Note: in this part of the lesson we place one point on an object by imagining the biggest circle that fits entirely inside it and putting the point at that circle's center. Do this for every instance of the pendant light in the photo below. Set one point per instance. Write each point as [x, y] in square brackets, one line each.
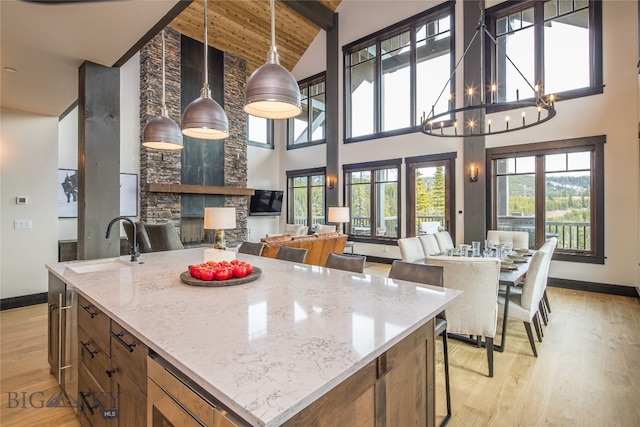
[162, 132]
[204, 118]
[272, 92]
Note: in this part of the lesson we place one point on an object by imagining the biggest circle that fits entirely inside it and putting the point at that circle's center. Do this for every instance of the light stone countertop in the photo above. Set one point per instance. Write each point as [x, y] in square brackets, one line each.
[266, 349]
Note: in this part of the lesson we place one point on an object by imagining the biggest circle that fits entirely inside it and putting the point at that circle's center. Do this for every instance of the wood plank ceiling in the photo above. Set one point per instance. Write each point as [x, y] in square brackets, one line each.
[243, 28]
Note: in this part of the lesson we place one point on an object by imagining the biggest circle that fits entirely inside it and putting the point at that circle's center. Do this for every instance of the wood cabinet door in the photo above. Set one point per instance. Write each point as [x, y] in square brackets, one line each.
[132, 402]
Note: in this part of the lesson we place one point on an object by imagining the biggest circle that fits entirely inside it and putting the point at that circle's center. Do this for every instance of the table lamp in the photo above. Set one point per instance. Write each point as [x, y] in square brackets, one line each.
[219, 219]
[339, 215]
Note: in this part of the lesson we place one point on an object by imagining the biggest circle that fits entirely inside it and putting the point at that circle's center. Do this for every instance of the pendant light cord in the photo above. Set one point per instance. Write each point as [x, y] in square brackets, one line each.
[205, 89]
[163, 109]
[273, 25]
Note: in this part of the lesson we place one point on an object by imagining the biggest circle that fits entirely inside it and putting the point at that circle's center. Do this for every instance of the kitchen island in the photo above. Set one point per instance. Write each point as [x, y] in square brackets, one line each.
[299, 345]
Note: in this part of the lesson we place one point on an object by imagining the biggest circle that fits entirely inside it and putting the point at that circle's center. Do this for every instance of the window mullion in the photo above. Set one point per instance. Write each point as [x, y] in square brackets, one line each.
[377, 90]
[540, 199]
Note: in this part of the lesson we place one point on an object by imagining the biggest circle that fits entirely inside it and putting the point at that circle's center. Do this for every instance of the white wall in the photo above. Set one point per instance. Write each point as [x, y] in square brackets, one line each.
[614, 114]
[28, 168]
[263, 167]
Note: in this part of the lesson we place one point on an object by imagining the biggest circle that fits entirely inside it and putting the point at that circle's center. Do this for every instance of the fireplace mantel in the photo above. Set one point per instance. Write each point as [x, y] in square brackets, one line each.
[153, 187]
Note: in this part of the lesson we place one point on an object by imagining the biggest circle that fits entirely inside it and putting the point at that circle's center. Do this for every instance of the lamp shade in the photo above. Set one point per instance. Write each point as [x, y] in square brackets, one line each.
[219, 218]
[162, 133]
[204, 118]
[273, 93]
[339, 214]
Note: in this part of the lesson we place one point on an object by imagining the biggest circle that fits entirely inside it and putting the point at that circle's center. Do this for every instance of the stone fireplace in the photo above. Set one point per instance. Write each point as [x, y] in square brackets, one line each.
[176, 186]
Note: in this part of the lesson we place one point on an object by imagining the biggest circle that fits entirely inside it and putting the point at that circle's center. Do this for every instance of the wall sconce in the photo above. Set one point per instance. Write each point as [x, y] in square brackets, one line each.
[473, 172]
[331, 182]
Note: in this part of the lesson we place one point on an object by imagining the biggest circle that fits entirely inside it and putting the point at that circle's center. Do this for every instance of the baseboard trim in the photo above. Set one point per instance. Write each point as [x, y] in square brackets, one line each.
[22, 301]
[603, 288]
[380, 259]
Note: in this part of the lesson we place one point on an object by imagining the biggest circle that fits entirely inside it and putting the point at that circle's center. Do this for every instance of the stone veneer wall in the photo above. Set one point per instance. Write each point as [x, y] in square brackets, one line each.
[160, 165]
[235, 147]
[165, 166]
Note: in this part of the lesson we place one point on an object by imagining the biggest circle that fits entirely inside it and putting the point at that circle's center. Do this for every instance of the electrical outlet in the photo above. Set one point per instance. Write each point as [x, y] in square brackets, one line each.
[22, 224]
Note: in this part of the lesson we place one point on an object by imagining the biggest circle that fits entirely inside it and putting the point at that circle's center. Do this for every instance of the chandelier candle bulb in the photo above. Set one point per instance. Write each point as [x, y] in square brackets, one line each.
[489, 123]
[506, 119]
[470, 96]
[523, 114]
[539, 110]
[493, 93]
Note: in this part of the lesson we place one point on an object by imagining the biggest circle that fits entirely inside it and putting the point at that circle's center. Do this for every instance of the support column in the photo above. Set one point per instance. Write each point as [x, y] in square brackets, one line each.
[332, 96]
[98, 160]
[475, 193]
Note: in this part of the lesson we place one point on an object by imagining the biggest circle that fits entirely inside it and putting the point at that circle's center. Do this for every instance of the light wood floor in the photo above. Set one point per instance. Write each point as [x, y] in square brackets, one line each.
[587, 372]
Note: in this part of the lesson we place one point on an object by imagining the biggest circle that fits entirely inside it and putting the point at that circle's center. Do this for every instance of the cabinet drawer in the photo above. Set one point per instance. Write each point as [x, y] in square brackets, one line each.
[95, 323]
[128, 356]
[92, 400]
[94, 358]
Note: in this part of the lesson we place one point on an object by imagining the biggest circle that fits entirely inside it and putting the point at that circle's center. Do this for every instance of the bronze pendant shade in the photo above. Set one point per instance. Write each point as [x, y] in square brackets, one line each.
[272, 92]
[204, 118]
[161, 132]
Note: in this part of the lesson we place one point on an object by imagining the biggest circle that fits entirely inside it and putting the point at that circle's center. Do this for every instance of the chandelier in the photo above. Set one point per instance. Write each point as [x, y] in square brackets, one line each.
[482, 110]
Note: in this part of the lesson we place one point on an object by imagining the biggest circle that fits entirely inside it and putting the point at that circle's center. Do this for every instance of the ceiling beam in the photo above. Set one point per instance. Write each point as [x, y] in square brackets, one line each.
[314, 11]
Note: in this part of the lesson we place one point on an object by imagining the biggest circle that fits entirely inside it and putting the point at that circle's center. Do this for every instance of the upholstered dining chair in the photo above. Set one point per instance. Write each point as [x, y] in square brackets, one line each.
[142, 239]
[430, 245]
[552, 243]
[475, 312]
[444, 240]
[353, 263]
[519, 239]
[411, 249]
[523, 305]
[428, 275]
[251, 248]
[163, 237]
[287, 253]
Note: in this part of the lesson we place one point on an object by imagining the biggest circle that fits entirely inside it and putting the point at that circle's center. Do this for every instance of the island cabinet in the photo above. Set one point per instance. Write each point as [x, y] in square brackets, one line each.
[396, 389]
[111, 371]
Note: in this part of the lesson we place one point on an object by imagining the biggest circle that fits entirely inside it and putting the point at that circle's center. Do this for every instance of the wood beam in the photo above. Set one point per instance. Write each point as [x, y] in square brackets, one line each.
[314, 11]
[154, 187]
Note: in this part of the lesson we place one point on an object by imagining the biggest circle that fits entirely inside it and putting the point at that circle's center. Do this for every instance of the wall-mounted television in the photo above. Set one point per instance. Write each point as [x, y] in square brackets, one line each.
[266, 202]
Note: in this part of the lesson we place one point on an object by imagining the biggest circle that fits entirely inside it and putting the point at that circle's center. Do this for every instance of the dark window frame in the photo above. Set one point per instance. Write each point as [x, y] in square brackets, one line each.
[502, 10]
[539, 150]
[409, 24]
[347, 169]
[270, 136]
[307, 83]
[412, 163]
[308, 173]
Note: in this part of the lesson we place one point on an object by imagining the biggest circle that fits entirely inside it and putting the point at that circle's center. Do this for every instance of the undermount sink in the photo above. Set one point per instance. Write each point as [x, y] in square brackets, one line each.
[99, 265]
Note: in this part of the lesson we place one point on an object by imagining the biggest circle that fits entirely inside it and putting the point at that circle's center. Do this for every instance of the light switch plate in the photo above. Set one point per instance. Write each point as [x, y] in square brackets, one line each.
[22, 224]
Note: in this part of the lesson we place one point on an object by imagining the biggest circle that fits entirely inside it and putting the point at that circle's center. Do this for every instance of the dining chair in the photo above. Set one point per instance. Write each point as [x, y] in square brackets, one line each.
[251, 248]
[163, 237]
[142, 238]
[552, 243]
[444, 240]
[287, 253]
[428, 275]
[475, 312]
[411, 249]
[519, 239]
[353, 263]
[523, 305]
[430, 244]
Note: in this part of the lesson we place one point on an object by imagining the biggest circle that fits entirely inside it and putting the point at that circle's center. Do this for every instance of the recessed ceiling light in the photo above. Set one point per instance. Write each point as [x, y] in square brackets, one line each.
[10, 70]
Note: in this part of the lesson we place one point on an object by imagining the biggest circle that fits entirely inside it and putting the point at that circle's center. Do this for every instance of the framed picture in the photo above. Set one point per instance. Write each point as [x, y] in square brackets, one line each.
[128, 194]
[67, 193]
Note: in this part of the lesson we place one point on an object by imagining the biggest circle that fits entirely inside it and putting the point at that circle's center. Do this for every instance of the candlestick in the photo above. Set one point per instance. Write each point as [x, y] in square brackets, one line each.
[470, 96]
[539, 110]
[523, 114]
[493, 93]
[455, 126]
[506, 119]
[489, 123]
[517, 94]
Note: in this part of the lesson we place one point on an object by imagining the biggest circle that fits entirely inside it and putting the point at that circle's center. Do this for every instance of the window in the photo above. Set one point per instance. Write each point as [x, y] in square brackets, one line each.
[371, 190]
[309, 127]
[259, 131]
[552, 189]
[431, 196]
[555, 44]
[306, 197]
[393, 76]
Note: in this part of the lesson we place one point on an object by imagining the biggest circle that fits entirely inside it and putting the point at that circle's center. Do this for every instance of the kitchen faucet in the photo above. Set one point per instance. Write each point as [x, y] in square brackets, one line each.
[133, 251]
